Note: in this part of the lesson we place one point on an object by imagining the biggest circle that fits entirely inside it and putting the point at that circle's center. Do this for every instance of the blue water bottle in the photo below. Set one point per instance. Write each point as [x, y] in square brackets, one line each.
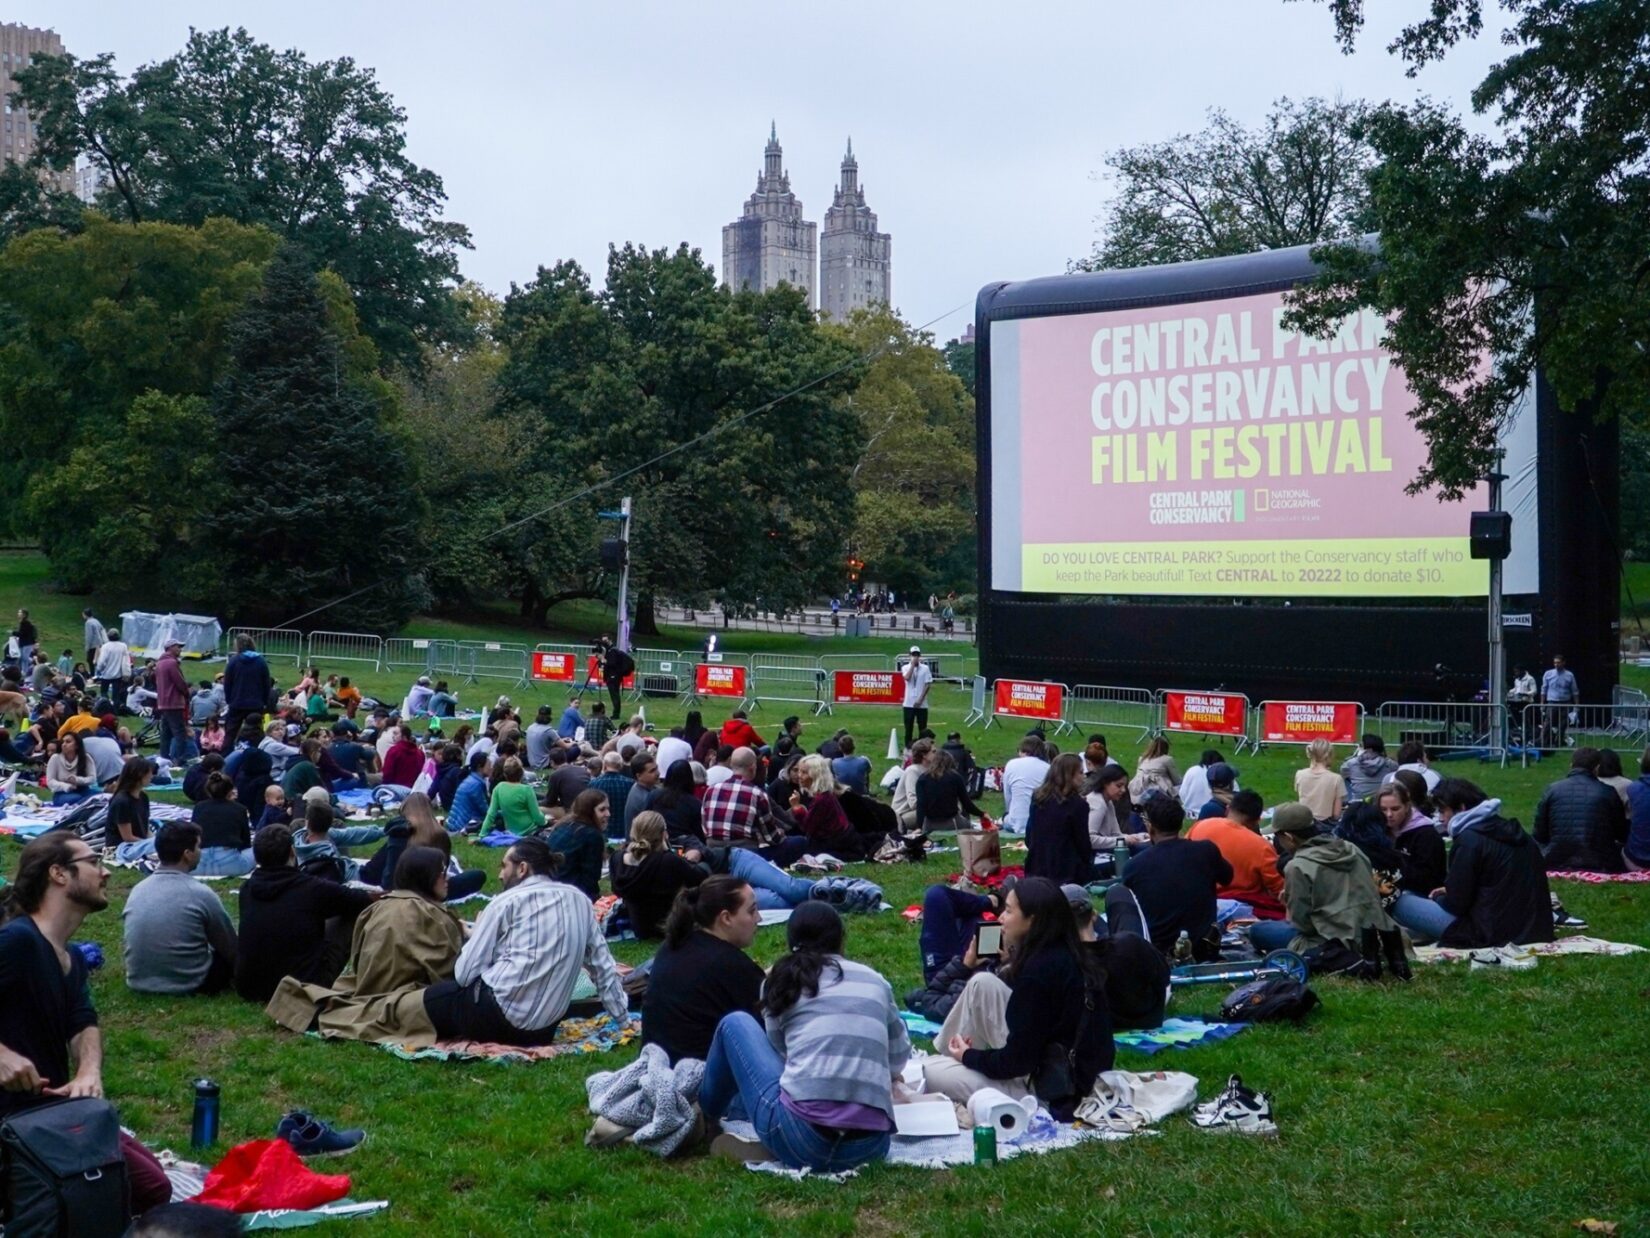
[203, 1131]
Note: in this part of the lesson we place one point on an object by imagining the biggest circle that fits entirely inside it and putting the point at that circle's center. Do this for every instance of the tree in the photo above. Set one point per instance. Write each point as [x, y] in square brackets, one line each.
[91, 322]
[319, 510]
[914, 481]
[660, 357]
[1297, 180]
[231, 128]
[1527, 247]
[959, 359]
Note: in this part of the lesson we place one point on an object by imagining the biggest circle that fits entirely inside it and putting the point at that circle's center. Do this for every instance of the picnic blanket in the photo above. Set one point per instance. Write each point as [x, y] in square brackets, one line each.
[1177, 1034]
[594, 1035]
[1597, 878]
[188, 1177]
[1564, 945]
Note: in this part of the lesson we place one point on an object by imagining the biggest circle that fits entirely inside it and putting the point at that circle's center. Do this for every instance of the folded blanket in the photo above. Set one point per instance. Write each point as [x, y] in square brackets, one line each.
[595, 1035]
[651, 1097]
[1564, 945]
[1177, 1034]
[1597, 878]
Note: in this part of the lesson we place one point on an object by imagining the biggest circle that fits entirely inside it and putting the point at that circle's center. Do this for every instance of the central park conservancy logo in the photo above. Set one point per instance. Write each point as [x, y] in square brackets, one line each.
[1197, 507]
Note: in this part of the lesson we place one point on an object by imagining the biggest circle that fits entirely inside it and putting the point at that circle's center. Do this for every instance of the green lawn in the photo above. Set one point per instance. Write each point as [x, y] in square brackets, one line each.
[1460, 1104]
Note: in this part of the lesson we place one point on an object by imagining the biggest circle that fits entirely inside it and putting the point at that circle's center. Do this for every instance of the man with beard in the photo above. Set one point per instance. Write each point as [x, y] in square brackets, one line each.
[46, 1012]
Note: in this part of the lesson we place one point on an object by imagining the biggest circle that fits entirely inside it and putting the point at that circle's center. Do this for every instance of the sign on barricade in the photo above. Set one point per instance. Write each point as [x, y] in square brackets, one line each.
[867, 688]
[593, 674]
[1301, 722]
[1206, 713]
[724, 679]
[1027, 698]
[553, 667]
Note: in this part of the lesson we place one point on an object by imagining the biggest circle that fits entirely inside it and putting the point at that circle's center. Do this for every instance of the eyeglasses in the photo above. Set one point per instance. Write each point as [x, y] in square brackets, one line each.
[95, 861]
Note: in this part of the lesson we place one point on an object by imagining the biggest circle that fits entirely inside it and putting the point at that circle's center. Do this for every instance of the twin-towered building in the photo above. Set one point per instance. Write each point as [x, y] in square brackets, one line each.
[771, 243]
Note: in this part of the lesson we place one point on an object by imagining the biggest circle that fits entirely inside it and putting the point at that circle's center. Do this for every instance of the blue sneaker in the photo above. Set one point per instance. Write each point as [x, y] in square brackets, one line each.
[309, 1136]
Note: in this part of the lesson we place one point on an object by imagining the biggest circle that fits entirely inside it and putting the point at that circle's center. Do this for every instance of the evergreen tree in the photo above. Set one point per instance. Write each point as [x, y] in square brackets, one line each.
[320, 506]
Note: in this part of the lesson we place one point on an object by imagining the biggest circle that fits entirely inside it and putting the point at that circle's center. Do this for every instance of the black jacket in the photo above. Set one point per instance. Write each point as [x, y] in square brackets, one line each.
[1581, 824]
[1057, 841]
[1497, 887]
[1424, 860]
[283, 930]
[1175, 881]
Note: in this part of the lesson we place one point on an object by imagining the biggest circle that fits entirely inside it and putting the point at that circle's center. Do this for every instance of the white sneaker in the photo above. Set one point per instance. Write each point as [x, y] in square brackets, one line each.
[1238, 1110]
[1503, 958]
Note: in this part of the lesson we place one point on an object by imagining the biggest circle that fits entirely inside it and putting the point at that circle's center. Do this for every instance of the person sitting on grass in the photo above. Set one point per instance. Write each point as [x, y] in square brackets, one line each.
[1051, 992]
[1636, 854]
[1496, 891]
[815, 1076]
[581, 840]
[1256, 887]
[1174, 881]
[47, 1020]
[943, 802]
[322, 849]
[405, 942]
[645, 770]
[178, 939]
[1110, 822]
[470, 801]
[514, 806]
[825, 827]
[404, 759]
[1581, 822]
[305, 772]
[674, 800]
[70, 774]
[514, 978]
[1329, 891]
[1057, 832]
[276, 809]
[1367, 770]
[702, 973]
[292, 923]
[852, 769]
[224, 828]
[1422, 858]
[1137, 974]
[128, 822]
[417, 827]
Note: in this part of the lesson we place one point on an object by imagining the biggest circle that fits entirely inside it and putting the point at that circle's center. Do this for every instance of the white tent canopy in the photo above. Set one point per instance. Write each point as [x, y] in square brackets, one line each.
[147, 634]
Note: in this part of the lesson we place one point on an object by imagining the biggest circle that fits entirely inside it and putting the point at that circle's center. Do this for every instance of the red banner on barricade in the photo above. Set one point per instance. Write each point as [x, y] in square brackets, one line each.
[710, 679]
[868, 688]
[593, 673]
[1301, 722]
[1206, 713]
[1020, 698]
[553, 667]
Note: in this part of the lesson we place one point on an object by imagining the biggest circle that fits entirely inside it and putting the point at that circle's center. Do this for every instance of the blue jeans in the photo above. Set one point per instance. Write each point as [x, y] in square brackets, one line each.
[128, 852]
[948, 920]
[776, 890]
[1425, 919]
[172, 728]
[59, 798]
[224, 862]
[744, 1065]
[1269, 935]
[1231, 909]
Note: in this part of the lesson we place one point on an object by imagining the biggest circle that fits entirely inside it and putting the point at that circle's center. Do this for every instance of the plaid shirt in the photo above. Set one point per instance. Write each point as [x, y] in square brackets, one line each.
[597, 728]
[737, 811]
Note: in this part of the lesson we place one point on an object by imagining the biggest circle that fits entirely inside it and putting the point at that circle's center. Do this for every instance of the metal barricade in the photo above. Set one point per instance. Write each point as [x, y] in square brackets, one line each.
[856, 662]
[276, 644]
[576, 655]
[345, 647]
[1104, 705]
[1300, 722]
[976, 701]
[426, 654]
[1453, 727]
[788, 677]
[1204, 712]
[492, 660]
[1561, 728]
[690, 688]
[662, 674]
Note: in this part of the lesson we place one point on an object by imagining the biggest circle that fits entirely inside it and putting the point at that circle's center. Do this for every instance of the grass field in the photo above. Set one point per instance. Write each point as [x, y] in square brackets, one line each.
[1459, 1104]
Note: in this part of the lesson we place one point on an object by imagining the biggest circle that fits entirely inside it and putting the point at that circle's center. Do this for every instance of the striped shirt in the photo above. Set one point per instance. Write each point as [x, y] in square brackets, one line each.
[529, 945]
[844, 1044]
[736, 811]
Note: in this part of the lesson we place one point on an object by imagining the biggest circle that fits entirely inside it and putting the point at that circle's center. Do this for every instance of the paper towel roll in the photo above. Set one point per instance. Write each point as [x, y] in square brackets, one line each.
[1010, 1117]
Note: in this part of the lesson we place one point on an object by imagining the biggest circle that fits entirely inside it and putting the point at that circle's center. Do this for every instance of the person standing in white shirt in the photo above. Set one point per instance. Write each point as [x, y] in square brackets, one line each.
[515, 976]
[919, 678]
[1021, 776]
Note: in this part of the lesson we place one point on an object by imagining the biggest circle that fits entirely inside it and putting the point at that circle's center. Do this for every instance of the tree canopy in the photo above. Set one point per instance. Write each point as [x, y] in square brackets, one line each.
[1525, 247]
[231, 128]
[1297, 179]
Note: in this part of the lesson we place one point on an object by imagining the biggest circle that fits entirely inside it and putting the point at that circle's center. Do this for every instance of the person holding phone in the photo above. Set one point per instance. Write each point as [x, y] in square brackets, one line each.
[1041, 1025]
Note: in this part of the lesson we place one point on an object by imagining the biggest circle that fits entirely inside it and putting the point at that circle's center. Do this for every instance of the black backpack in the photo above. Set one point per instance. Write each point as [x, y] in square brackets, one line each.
[61, 1171]
[1269, 1000]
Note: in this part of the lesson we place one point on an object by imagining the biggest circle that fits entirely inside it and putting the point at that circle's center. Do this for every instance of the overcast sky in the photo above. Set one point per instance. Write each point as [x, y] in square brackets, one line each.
[561, 127]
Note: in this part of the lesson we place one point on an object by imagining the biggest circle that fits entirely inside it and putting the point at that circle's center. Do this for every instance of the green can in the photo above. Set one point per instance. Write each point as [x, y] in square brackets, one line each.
[985, 1145]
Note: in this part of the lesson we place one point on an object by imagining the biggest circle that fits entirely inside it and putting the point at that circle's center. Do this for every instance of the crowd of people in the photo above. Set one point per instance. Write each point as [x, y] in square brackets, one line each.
[698, 831]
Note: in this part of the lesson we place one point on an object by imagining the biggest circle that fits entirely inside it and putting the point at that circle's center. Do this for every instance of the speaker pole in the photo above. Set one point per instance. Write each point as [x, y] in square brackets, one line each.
[1498, 651]
[622, 631]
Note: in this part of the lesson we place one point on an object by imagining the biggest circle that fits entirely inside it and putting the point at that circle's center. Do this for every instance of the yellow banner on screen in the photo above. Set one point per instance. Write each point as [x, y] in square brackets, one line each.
[1346, 567]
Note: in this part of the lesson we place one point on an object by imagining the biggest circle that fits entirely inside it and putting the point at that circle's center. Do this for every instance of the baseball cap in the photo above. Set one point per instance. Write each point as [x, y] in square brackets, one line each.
[1293, 819]
[174, 643]
[1222, 774]
[916, 648]
[1078, 897]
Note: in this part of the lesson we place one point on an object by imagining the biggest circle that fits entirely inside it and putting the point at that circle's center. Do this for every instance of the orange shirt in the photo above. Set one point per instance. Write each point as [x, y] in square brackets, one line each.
[1255, 876]
[76, 724]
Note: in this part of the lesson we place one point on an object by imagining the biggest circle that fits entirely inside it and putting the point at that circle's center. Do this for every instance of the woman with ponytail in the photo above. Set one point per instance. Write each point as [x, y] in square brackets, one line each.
[702, 972]
[647, 875]
[815, 1076]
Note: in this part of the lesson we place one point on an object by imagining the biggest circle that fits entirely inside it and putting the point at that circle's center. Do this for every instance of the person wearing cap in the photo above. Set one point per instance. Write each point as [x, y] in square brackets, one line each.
[1194, 786]
[1223, 784]
[171, 701]
[919, 678]
[1137, 974]
[1328, 890]
[418, 698]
